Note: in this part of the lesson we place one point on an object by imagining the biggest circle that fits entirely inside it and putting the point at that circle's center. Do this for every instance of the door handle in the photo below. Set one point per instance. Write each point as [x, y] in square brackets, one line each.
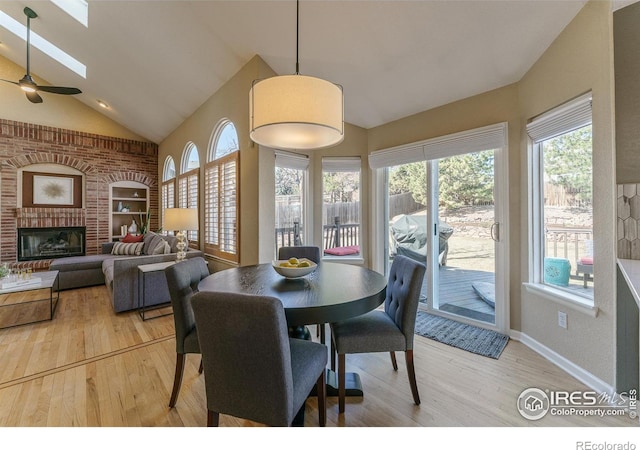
[495, 231]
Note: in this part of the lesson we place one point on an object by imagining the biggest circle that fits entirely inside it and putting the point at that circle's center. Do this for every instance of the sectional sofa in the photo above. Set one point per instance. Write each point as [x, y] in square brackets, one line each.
[119, 272]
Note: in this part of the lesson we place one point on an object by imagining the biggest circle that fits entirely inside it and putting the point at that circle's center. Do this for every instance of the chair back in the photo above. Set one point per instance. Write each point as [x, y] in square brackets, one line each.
[183, 279]
[403, 294]
[246, 356]
[310, 252]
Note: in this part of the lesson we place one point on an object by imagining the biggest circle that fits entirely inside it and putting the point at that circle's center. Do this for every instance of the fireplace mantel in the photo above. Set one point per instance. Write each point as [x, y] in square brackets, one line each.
[50, 217]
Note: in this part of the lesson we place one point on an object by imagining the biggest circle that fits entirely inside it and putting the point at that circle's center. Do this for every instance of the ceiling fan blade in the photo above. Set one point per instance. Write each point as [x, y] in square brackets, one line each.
[9, 81]
[33, 97]
[59, 90]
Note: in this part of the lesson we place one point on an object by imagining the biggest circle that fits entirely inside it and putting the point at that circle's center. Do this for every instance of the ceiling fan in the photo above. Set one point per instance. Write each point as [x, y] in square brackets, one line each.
[26, 83]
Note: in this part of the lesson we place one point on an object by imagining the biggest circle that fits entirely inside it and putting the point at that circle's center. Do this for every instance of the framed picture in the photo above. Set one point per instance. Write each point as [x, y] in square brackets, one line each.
[51, 189]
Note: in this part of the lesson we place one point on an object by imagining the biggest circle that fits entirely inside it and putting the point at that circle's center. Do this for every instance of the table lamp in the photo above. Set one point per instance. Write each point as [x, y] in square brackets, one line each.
[181, 220]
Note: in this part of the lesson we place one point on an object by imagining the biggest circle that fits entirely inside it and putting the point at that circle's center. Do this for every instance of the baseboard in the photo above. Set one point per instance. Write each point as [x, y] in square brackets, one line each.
[571, 368]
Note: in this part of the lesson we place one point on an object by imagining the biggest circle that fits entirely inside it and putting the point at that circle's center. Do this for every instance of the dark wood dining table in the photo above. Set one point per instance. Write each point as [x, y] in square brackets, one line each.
[331, 293]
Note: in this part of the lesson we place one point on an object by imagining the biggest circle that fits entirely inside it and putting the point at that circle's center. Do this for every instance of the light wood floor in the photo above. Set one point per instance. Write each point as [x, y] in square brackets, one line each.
[91, 367]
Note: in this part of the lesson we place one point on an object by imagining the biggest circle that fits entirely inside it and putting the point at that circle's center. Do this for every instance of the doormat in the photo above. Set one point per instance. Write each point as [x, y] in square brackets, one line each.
[466, 337]
[469, 313]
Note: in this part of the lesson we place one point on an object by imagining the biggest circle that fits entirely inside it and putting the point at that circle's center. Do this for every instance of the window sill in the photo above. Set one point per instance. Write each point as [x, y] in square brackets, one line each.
[574, 302]
[344, 259]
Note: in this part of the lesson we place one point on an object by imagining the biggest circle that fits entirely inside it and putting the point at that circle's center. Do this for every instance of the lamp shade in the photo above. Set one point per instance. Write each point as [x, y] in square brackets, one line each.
[180, 219]
[296, 112]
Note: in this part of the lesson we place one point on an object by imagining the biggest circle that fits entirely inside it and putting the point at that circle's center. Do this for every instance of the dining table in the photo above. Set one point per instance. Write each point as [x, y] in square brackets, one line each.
[331, 293]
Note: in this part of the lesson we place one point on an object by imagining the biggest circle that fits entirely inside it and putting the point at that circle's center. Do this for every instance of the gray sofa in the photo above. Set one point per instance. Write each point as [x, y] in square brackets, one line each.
[120, 273]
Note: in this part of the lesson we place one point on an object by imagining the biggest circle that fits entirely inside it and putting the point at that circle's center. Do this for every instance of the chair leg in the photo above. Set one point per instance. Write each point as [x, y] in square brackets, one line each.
[394, 363]
[341, 382]
[201, 368]
[412, 376]
[333, 356]
[321, 390]
[177, 379]
[213, 418]
[322, 335]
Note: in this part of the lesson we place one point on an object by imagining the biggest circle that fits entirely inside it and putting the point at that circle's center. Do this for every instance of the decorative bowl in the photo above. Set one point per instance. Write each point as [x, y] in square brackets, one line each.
[293, 271]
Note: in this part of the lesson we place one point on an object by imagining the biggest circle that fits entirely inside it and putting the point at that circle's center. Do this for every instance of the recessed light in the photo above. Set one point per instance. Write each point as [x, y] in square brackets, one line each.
[103, 104]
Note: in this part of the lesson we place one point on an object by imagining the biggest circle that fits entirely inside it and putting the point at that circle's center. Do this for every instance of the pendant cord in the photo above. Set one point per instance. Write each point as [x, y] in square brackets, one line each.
[297, 34]
[28, 42]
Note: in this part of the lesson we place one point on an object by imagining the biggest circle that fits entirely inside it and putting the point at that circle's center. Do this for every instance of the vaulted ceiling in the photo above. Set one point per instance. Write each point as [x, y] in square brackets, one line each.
[156, 62]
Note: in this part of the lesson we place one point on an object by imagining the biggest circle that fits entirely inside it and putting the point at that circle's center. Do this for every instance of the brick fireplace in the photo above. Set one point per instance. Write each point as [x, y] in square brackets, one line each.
[101, 160]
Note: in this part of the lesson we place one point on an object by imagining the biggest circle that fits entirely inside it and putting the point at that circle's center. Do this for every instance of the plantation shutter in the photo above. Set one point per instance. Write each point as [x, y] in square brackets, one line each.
[222, 207]
[168, 196]
[188, 198]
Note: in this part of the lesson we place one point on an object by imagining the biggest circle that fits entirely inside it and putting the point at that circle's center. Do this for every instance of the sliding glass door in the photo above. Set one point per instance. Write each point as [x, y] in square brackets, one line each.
[445, 205]
[464, 251]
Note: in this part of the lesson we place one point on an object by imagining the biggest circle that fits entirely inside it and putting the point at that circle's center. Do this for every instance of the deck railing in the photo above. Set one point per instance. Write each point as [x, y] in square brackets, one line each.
[341, 235]
[288, 236]
[561, 239]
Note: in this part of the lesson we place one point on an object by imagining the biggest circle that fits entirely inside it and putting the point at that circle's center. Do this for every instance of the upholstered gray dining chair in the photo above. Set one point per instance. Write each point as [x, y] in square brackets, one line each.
[387, 330]
[311, 253]
[253, 369]
[183, 279]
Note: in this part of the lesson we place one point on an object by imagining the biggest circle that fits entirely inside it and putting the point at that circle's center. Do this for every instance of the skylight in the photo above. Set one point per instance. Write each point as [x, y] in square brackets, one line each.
[78, 9]
[42, 44]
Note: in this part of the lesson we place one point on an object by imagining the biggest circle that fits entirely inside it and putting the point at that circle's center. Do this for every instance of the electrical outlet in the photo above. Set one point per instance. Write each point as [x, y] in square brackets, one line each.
[562, 319]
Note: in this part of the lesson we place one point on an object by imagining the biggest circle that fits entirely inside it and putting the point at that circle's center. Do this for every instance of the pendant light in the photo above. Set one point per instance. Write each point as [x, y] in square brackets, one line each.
[296, 111]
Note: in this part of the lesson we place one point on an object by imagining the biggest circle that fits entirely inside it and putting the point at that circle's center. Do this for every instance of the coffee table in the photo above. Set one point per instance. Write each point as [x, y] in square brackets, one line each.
[30, 301]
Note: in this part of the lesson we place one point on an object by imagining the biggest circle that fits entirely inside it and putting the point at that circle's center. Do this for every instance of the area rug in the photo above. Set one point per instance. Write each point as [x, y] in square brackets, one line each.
[466, 337]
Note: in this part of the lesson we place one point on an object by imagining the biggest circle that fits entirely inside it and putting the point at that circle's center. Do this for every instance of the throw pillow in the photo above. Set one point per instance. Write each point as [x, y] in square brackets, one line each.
[148, 237]
[162, 249]
[130, 249]
[131, 238]
[343, 251]
[173, 243]
[151, 243]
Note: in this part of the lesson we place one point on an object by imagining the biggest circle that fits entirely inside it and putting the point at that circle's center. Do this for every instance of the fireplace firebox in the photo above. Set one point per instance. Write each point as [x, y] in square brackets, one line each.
[50, 243]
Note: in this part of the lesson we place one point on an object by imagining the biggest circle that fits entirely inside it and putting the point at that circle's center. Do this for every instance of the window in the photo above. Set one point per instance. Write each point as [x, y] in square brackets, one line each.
[221, 184]
[168, 188]
[188, 185]
[341, 207]
[562, 199]
[291, 188]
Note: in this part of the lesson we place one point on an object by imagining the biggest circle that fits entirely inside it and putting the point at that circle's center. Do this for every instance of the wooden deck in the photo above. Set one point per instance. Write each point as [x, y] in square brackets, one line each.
[457, 295]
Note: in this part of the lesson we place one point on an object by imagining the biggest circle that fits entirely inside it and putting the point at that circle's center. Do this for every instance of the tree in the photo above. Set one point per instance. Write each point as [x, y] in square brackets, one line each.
[341, 186]
[288, 181]
[466, 179]
[567, 162]
[411, 178]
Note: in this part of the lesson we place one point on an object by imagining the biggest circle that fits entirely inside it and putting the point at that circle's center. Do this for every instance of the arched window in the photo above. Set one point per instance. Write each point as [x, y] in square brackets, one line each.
[221, 183]
[168, 187]
[188, 185]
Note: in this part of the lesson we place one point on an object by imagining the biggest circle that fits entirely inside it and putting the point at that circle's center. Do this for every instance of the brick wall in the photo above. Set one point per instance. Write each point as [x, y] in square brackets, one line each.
[102, 160]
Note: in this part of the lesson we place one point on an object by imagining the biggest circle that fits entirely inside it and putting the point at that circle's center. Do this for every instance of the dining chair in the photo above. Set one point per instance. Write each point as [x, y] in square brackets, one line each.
[253, 369]
[311, 253]
[183, 279]
[387, 330]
